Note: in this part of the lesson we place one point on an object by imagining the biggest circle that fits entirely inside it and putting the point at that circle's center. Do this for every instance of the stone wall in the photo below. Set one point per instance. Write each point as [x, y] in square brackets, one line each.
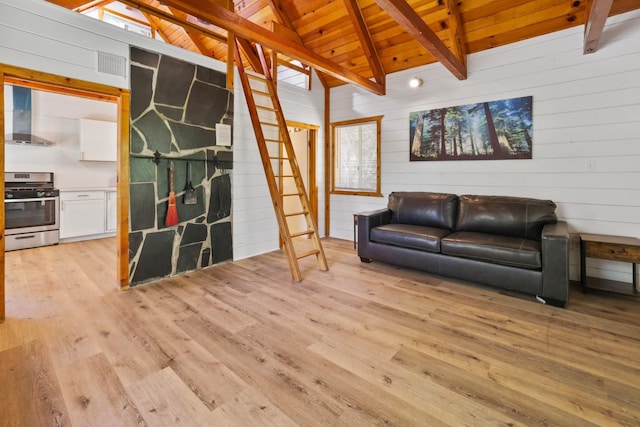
[175, 107]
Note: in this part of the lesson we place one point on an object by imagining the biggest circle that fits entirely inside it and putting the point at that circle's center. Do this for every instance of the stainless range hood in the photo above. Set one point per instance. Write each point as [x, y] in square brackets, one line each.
[22, 120]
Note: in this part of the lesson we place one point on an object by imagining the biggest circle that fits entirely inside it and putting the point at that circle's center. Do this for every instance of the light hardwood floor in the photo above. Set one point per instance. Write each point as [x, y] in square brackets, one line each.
[239, 344]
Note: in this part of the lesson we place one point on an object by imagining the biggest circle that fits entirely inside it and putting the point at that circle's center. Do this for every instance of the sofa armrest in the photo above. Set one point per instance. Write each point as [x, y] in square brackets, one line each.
[555, 263]
[366, 221]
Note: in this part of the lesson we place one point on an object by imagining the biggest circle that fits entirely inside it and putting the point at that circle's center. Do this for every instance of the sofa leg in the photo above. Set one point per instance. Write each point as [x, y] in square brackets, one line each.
[367, 260]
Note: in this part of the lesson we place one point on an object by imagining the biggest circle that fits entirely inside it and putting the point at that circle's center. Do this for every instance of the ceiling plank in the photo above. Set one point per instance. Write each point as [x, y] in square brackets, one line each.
[219, 16]
[366, 42]
[195, 37]
[413, 24]
[594, 24]
[145, 8]
[282, 18]
[457, 32]
[280, 14]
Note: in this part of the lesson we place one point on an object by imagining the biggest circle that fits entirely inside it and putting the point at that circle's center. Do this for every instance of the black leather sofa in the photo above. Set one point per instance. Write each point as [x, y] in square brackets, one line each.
[512, 243]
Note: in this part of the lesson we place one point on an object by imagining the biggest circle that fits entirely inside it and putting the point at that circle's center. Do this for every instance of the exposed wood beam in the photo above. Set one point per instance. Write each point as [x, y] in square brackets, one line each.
[91, 5]
[288, 64]
[230, 52]
[154, 25]
[145, 8]
[366, 42]
[193, 35]
[283, 19]
[413, 24]
[250, 53]
[281, 15]
[594, 24]
[219, 16]
[457, 33]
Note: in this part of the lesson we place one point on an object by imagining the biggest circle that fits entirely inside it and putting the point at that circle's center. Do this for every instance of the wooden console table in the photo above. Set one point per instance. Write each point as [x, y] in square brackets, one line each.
[614, 248]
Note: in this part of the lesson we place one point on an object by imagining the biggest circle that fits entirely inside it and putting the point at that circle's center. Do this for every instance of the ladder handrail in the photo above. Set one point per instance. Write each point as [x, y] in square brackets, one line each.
[274, 190]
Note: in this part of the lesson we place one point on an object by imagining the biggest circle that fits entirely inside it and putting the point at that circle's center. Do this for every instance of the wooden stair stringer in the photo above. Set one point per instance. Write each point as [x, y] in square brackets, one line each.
[274, 180]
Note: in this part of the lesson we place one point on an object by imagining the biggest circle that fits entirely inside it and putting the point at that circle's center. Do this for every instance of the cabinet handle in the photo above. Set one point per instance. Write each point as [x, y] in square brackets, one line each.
[83, 195]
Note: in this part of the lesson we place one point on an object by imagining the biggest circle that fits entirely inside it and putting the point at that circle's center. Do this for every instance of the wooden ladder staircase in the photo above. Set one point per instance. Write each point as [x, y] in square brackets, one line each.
[279, 161]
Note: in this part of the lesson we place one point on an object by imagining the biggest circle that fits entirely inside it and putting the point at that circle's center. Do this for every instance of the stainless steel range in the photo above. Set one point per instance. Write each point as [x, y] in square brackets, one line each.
[32, 210]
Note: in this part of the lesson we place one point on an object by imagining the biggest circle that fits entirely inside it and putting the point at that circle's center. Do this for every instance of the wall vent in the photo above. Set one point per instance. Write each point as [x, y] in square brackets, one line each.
[109, 63]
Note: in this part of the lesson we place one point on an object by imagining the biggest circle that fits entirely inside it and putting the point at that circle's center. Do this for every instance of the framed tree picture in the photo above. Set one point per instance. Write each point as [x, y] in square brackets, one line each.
[491, 130]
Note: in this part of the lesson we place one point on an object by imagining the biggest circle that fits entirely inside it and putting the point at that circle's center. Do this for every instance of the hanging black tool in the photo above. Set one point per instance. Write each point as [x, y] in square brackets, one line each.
[190, 195]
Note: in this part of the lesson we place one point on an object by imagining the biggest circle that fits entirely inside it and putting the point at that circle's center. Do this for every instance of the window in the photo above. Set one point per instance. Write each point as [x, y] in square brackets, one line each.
[356, 157]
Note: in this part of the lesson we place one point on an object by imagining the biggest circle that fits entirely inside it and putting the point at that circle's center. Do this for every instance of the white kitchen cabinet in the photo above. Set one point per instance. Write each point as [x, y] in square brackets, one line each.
[98, 140]
[82, 213]
[112, 206]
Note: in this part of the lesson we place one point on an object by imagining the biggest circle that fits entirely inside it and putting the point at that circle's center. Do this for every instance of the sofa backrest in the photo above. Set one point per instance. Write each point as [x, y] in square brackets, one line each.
[509, 216]
[423, 208]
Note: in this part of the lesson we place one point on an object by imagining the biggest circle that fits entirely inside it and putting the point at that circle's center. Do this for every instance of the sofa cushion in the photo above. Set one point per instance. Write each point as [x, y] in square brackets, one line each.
[409, 236]
[494, 248]
[509, 216]
[423, 208]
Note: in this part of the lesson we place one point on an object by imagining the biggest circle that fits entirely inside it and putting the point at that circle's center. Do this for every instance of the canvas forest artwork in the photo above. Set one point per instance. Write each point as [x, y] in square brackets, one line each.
[484, 131]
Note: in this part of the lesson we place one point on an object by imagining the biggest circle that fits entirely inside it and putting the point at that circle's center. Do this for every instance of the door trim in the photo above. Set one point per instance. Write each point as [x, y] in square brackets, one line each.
[312, 191]
[54, 83]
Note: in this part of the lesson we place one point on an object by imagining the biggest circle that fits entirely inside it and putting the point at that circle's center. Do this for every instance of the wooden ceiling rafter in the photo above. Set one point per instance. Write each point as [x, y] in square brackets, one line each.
[243, 28]
[597, 15]
[321, 33]
[282, 18]
[193, 35]
[366, 41]
[456, 30]
[159, 30]
[413, 24]
[88, 7]
[166, 16]
[154, 27]
[250, 53]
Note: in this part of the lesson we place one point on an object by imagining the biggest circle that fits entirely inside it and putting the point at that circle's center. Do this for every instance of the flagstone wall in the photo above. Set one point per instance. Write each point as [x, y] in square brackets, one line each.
[175, 108]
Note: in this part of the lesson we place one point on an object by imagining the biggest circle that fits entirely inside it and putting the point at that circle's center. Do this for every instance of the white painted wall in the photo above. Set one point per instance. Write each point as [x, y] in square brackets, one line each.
[38, 35]
[586, 131]
[57, 117]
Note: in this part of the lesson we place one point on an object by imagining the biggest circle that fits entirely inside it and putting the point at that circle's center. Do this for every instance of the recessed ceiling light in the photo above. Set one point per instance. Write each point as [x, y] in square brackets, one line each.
[415, 82]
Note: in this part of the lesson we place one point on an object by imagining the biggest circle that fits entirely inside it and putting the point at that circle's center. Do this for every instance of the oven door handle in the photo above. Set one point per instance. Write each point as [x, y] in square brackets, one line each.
[38, 199]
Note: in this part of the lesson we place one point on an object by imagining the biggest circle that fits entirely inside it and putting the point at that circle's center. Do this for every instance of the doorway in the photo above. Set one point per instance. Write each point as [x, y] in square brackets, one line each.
[303, 138]
[49, 82]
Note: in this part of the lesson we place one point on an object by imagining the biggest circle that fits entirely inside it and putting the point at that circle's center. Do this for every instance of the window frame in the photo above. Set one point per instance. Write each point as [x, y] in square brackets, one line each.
[334, 158]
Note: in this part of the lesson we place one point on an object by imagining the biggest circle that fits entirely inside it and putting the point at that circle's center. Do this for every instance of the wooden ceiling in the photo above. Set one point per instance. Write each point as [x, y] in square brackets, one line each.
[360, 41]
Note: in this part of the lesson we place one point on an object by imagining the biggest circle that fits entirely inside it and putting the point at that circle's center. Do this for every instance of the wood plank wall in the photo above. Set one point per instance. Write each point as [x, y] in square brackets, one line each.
[586, 137]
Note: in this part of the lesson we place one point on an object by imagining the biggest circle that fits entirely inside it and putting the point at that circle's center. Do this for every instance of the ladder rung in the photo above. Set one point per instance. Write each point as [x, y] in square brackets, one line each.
[256, 77]
[273, 140]
[260, 92]
[264, 107]
[290, 194]
[279, 158]
[308, 253]
[295, 213]
[302, 233]
[270, 124]
[283, 176]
